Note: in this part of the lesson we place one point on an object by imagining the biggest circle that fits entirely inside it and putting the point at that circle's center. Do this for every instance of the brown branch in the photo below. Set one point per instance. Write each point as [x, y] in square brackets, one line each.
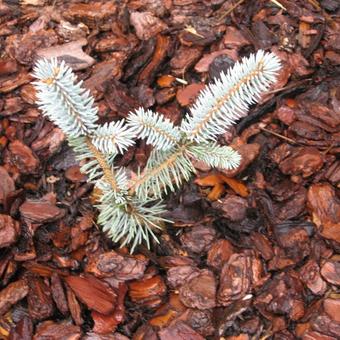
[108, 174]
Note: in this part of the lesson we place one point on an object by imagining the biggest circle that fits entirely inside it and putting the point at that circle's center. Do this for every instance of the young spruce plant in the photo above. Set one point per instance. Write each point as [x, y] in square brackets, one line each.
[130, 207]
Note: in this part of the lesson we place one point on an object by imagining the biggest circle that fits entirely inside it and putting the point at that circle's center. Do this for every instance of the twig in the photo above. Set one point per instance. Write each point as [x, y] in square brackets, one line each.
[279, 135]
[279, 5]
[231, 9]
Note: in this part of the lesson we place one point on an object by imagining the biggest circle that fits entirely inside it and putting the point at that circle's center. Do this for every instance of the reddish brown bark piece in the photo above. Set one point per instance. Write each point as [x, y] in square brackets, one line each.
[233, 207]
[207, 59]
[198, 239]
[23, 47]
[13, 293]
[219, 253]
[179, 331]
[93, 293]
[58, 294]
[313, 335]
[56, 331]
[121, 267]
[28, 94]
[325, 208]
[282, 296]
[147, 291]
[262, 245]
[40, 211]
[177, 276]
[189, 94]
[332, 308]
[23, 158]
[162, 45]
[6, 184]
[146, 25]
[40, 304]
[12, 105]
[73, 174]
[184, 58]
[303, 161]
[310, 276]
[9, 84]
[234, 280]
[331, 272]
[49, 144]
[325, 325]
[8, 66]
[91, 14]
[200, 291]
[9, 231]
[234, 38]
[200, 320]
[74, 307]
[23, 330]
[104, 324]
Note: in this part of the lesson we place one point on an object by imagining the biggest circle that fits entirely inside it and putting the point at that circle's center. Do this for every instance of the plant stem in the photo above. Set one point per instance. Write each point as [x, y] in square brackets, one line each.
[107, 170]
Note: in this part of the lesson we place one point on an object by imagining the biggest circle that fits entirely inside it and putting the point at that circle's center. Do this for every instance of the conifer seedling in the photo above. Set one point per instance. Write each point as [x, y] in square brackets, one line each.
[131, 209]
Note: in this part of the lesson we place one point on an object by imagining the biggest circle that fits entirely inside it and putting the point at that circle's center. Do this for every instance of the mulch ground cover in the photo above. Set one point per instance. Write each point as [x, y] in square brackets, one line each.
[254, 253]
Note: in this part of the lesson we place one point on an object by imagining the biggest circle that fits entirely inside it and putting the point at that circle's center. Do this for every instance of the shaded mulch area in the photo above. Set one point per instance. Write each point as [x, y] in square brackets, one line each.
[253, 253]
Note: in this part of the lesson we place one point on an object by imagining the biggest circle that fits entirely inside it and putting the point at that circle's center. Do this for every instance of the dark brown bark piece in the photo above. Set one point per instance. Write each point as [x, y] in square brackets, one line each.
[162, 46]
[326, 325]
[282, 296]
[12, 105]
